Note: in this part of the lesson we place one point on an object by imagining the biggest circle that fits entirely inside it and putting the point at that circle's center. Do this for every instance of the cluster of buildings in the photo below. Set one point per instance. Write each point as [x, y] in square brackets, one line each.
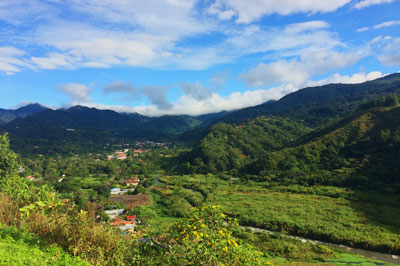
[118, 191]
[149, 143]
[128, 224]
[130, 182]
[119, 155]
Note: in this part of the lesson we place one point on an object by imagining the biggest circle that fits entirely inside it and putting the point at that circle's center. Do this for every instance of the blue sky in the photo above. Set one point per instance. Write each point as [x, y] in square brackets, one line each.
[159, 57]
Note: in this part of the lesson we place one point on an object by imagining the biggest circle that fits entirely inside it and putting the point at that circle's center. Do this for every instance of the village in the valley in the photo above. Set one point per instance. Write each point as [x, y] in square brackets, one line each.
[122, 189]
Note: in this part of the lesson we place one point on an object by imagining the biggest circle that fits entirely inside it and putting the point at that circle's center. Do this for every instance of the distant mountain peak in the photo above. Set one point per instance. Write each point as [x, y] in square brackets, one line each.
[78, 107]
[32, 105]
[31, 108]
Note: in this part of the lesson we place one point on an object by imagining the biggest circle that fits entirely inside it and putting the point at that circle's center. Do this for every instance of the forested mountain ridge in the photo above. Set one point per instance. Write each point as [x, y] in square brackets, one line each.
[357, 150]
[229, 146]
[25, 111]
[316, 105]
[81, 126]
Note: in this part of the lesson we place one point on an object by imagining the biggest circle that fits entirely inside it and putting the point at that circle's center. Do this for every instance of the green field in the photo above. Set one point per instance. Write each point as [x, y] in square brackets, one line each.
[337, 215]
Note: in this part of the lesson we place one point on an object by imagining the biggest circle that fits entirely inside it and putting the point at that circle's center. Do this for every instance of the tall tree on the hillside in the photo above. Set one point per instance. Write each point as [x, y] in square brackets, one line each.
[8, 159]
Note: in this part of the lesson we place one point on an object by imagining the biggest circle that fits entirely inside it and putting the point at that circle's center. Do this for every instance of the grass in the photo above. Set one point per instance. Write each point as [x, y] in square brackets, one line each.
[349, 259]
[20, 248]
[318, 217]
[343, 216]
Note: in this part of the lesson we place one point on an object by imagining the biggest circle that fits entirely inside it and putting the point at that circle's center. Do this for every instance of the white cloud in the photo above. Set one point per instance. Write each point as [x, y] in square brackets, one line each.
[11, 61]
[391, 51]
[380, 25]
[387, 24]
[171, 17]
[153, 34]
[214, 103]
[251, 39]
[298, 71]
[248, 11]
[20, 11]
[227, 15]
[282, 71]
[109, 32]
[53, 61]
[347, 79]
[367, 3]
[84, 45]
[78, 93]
[280, 42]
[306, 26]
[362, 29]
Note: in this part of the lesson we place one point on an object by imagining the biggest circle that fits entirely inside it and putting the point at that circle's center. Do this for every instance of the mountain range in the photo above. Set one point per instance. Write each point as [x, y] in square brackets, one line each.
[79, 126]
[25, 111]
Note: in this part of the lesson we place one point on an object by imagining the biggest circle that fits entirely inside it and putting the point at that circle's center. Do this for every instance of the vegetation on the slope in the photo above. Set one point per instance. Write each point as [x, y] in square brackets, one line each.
[40, 210]
[364, 219]
[230, 147]
[18, 248]
[358, 151]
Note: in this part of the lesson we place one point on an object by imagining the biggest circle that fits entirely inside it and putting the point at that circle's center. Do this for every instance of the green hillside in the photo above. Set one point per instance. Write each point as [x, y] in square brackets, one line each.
[357, 150]
[229, 146]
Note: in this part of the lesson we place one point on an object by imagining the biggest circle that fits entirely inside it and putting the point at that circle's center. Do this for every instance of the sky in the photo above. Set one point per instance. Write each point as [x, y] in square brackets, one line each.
[169, 57]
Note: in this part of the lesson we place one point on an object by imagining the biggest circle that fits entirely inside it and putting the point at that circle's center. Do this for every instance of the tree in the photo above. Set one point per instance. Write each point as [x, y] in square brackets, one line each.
[8, 159]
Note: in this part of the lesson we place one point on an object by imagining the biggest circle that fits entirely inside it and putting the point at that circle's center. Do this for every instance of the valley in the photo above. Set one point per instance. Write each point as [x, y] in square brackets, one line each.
[232, 188]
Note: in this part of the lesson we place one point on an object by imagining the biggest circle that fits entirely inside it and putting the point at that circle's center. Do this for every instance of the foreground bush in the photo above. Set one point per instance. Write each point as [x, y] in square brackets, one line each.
[206, 237]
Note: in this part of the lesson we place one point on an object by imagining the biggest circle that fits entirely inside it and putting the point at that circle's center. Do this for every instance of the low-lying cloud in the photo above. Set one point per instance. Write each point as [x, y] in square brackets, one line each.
[78, 93]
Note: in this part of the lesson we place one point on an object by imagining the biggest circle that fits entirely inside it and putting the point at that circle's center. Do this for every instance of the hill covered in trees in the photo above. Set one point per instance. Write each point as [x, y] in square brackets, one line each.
[357, 150]
[82, 129]
[315, 106]
[25, 111]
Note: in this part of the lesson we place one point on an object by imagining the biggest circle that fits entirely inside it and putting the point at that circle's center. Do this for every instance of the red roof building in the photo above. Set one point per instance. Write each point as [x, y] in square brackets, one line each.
[134, 181]
[121, 156]
[122, 222]
[131, 217]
